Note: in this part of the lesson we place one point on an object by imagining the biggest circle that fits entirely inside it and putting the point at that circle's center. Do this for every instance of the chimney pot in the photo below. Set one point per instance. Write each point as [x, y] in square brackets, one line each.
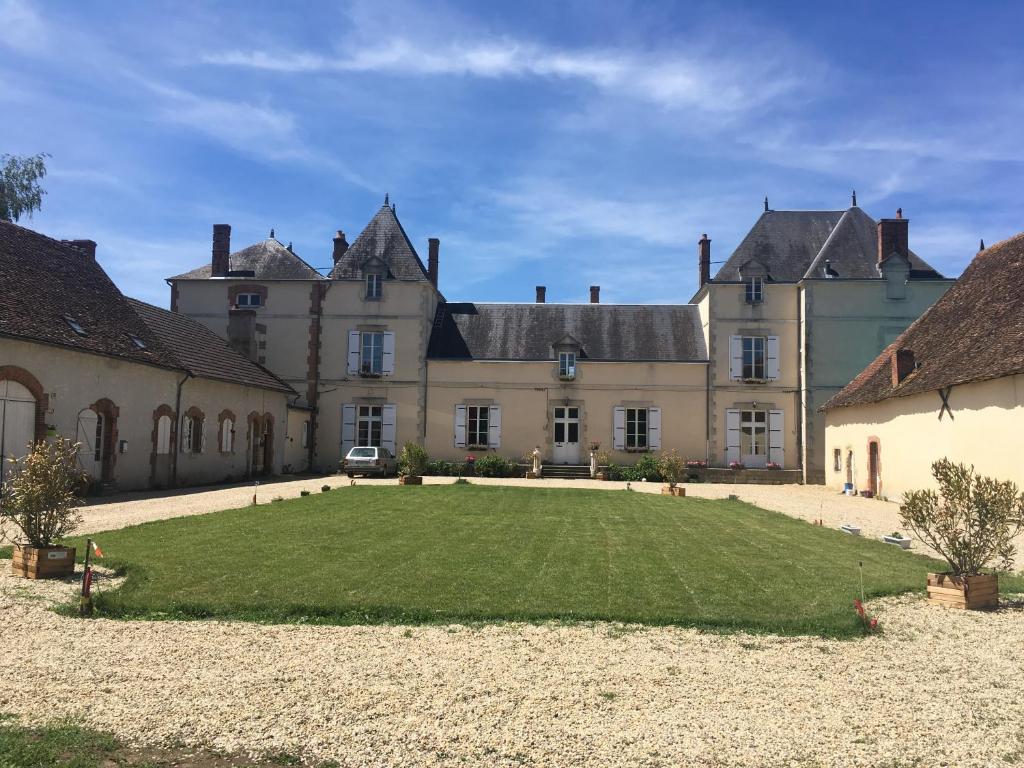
[704, 259]
[595, 294]
[893, 237]
[903, 364]
[433, 259]
[542, 293]
[221, 250]
[340, 246]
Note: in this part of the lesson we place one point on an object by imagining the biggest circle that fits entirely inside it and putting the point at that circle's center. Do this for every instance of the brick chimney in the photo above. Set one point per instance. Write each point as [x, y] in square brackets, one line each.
[542, 294]
[340, 246]
[221, 250]
[903, 364]
[433, 249]
[595, 294]
[88, 247]
[893, 237]
[704, 259]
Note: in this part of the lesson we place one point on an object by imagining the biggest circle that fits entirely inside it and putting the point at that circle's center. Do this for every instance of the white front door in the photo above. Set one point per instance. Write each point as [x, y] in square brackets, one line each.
[754, 438]
[17, 422]
[567, 435]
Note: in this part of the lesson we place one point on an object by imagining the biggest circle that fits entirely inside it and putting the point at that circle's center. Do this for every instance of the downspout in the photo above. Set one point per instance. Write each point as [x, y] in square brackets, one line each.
[177, 415]
[801, 380]
[315, 400]
[707, 413]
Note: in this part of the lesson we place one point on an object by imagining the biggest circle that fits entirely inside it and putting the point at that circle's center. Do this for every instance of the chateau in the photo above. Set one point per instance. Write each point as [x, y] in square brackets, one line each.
[376, 355]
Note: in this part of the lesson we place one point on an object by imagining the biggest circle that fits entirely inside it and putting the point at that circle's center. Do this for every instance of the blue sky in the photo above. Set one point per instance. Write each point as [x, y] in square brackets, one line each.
[560, 144]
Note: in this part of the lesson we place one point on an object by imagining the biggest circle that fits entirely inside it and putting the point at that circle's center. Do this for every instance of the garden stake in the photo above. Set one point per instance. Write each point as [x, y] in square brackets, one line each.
[85, 601]
[862, 581]
[255, 485]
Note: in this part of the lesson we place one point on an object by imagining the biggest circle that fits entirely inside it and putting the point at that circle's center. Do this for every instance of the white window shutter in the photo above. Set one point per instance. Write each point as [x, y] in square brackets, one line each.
[771, 357]
[460, 426]
[735, 357]
[777, 437]
[389, 415]
[619, 428]
[654, 429]
[202, 436]
[185, 434]
[163, 435]
[348, 428]
[732, 435]
[388, 361]
[494, 427]
[354, 339]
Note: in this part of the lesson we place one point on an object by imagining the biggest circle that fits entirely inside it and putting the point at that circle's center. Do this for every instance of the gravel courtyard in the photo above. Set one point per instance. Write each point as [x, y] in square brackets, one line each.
[938, 688]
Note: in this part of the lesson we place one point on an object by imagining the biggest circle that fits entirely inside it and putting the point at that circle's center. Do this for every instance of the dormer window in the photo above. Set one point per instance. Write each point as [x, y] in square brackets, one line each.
[754, 293]
[75, 325]
[248, 300]
[567, 365]
[137, 341]
[374, 285]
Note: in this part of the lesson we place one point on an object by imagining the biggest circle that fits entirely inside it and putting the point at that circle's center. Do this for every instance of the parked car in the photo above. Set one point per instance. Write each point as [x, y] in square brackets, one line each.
[369, 460]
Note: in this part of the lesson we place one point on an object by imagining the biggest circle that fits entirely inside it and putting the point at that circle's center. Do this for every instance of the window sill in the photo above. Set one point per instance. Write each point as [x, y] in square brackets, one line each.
[370, 375]
[636, 450]
[754, 381]
[567, 378]
[372, 298]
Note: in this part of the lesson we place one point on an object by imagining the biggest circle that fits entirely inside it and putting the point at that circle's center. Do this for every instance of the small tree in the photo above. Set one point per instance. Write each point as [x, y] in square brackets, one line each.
[671, 466]
[20, 193]
[413, 460]
[41, 497]
[971, 521]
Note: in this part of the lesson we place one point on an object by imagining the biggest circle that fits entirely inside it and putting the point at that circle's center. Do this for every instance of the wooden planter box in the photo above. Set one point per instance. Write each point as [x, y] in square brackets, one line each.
[965, 592]
[601, 476]
[667, 490]
[43, 562]
[410, 480]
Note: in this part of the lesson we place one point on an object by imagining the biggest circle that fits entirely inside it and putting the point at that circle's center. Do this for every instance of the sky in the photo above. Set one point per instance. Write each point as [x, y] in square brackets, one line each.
[559, 144]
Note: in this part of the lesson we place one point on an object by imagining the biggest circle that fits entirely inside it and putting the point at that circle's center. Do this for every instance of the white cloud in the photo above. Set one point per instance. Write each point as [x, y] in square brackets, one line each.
[711, 83]
[22, 28]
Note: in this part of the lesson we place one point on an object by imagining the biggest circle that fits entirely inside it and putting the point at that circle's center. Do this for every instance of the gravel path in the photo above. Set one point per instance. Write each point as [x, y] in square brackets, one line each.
[939, 688]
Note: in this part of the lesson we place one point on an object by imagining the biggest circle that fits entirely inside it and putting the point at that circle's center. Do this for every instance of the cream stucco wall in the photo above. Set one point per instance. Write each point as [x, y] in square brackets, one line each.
[73, 381]
[527, 393]
[847, 323]
[985, 429]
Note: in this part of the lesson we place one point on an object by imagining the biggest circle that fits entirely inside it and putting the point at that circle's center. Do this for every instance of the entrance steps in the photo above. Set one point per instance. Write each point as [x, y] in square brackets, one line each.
[566, 471]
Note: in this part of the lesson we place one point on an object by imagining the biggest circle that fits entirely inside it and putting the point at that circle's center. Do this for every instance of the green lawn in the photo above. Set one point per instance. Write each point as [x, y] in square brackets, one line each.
[470, 553]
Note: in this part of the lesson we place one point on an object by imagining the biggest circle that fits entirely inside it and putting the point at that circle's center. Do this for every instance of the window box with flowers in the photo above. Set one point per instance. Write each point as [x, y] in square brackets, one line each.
[774, 465]
[737, 465]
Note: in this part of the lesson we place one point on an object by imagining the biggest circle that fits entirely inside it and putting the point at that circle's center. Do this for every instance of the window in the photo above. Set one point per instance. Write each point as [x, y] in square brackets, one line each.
[374, 285]
[192, 434]
[753, 433]
[371, 357]
[75, 325]
[636, 428]
[753, 357]
[755, 290]
[368, 425]
[137, 341]
[477, 426]
[227, 436]
[837, 460]
[305, 434]
[98, 442]
[567, 424]
[248, 300]
[567, 365]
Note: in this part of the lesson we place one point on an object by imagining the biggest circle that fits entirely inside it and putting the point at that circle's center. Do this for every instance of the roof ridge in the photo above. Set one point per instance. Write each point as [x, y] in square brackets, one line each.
[291, 253]
[824, 246]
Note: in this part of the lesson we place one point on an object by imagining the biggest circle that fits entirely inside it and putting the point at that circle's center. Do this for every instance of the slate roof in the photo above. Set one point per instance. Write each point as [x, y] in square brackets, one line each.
[42, 280]
[269, 260]
[202, 352]
[383, 239]
[604, 331]
[793, 245]
[974, 332]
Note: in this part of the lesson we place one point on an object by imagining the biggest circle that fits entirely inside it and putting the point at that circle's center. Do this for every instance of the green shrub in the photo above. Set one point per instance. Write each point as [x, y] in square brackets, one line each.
[304, 493]
[671, 467]
[493, 465]
[646, 468]
[439, 468]
[413, 460]
[325, 488]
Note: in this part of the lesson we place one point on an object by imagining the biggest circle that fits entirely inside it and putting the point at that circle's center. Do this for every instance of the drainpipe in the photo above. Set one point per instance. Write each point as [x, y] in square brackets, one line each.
[707, 413]
[177, 431]
[801, 379]
[315, 404]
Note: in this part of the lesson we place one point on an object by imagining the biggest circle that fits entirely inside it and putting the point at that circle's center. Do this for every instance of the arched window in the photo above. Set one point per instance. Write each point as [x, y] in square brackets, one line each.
[192, 432]
[227, 436]
[163, 435]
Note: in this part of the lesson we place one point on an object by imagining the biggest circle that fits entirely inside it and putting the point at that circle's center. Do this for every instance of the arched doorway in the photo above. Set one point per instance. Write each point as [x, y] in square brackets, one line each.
[17, 422]
[268, 444]
[874, 467]
[97, 435]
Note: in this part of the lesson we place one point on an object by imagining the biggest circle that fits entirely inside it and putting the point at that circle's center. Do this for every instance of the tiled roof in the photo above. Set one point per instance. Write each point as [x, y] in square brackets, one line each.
[202, 352]
[43, 280]
[793, 245]
[973, 333]
[269, 260]
[604, 331]
[383, 239]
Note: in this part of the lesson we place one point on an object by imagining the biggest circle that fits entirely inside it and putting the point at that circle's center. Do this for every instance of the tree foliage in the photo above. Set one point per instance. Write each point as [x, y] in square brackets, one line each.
[971, 521]
[412, 460]
[41, 497]
[671, 466]
[20, 190]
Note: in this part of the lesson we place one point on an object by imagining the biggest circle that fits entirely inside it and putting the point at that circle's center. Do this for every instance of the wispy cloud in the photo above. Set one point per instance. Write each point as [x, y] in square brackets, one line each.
[21, 28]
[715, 84]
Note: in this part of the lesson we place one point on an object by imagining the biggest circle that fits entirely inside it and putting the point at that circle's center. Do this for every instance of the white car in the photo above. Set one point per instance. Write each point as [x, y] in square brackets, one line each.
[369, 460]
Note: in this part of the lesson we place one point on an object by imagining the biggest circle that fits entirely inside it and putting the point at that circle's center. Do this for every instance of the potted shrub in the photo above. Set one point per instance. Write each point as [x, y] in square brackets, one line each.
[412, 464]
[971, 522]
[737, 465]
[41, 499]
[602, 466]
[671, 466]
[898, 539]
[773, 465]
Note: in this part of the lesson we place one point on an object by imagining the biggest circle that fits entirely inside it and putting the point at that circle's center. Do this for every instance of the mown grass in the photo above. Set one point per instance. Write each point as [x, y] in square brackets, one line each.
[473, 553]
